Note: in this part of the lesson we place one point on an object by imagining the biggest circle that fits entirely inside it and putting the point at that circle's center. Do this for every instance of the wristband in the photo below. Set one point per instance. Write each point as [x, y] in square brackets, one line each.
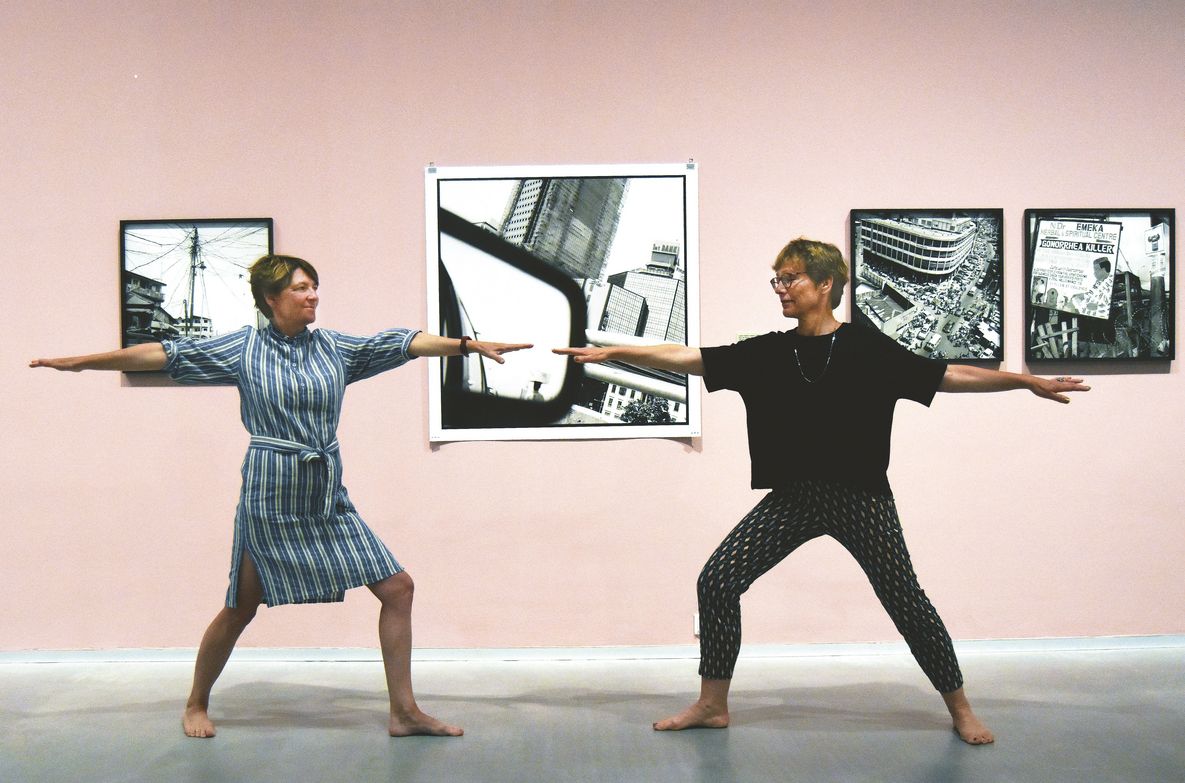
[465, 345]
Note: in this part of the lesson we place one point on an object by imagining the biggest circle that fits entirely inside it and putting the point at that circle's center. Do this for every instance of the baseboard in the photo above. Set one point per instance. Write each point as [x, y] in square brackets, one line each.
[641, 653]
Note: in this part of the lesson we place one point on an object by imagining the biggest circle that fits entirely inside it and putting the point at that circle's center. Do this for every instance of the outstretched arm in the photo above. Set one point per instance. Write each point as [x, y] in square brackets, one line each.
[147, 356]
[966, 378]
[424, 344]
[678, 358]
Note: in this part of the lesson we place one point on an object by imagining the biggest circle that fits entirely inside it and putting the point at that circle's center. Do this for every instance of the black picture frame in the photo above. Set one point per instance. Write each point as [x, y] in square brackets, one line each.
[1099, 285]
[188, 277]
[931, 279]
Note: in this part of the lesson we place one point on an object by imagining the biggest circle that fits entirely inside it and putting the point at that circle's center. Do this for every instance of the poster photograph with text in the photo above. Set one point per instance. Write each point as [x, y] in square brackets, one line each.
[1099, 284]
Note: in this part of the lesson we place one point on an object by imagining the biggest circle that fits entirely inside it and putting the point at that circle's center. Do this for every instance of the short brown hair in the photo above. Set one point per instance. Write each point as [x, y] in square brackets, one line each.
[821, 261]
[271, 274]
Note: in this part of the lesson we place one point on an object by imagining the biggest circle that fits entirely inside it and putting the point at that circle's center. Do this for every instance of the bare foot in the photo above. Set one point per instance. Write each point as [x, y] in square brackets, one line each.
[972, 731]
[420, 723]
[697, 716]
[969, 728]
[197, 723]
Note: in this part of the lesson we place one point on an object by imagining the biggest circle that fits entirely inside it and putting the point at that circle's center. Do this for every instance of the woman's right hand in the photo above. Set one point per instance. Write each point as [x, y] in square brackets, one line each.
[588, 355]
[145, 356]
[65, 363]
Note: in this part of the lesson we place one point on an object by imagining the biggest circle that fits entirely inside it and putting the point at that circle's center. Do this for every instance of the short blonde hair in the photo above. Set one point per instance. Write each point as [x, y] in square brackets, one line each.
[271, 274]
[821, 261]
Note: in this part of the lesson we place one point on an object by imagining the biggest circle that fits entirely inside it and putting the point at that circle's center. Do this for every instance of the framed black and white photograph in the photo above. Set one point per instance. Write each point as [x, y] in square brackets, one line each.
[188, 278]
[931, 279]
[1099, 284]
[557, 256]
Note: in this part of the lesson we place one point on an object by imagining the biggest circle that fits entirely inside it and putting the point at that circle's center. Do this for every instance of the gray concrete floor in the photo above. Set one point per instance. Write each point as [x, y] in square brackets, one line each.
[1101, 715]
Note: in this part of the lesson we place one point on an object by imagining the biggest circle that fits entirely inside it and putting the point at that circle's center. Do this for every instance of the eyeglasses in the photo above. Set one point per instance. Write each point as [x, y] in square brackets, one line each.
[784, 281]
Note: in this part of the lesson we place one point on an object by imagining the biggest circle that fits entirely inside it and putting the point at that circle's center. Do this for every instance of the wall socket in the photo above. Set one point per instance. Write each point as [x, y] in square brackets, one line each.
[695, 625]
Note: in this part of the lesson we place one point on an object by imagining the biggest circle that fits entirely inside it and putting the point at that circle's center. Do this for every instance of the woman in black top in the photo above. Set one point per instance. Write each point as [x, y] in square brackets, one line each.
[800, 389]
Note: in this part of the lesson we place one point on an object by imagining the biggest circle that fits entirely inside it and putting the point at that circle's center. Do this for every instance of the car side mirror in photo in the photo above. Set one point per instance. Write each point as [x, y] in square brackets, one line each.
[492, 290]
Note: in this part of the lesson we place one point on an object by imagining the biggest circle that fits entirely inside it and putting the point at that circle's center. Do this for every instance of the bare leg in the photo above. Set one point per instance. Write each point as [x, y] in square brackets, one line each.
[709, 712]
[395, 593]
[217, 644]
[969, 727]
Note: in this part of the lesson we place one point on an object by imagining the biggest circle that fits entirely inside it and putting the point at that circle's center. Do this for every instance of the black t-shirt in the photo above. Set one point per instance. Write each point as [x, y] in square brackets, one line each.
[837, 427]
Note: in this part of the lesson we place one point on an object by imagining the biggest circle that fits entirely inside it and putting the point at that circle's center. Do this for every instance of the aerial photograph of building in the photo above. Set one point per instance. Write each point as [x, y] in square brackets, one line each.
[931, 280]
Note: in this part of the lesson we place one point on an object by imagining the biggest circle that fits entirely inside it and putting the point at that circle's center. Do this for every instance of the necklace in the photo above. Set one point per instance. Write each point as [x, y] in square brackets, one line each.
[826, 364]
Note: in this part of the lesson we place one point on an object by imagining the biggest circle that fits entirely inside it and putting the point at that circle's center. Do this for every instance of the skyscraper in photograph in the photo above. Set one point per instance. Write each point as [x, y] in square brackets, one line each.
[612, 308]
[569, 223]
[661, 283]
[664, 259]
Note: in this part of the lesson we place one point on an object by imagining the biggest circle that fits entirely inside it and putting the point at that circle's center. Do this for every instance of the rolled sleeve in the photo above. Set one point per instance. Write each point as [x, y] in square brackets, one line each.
[215, 361]
[365, 357]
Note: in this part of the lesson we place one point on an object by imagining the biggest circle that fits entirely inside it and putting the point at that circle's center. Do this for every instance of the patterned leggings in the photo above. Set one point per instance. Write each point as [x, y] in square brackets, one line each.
[865, 522]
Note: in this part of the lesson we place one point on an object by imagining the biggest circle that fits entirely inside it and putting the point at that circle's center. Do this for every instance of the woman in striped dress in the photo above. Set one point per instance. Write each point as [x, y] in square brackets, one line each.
[297, 536]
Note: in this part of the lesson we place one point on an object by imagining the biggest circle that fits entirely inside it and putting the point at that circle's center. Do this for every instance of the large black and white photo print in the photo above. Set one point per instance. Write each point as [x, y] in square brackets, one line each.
[1100, 284]
[188, 278]
[931, 279]
[558, 256]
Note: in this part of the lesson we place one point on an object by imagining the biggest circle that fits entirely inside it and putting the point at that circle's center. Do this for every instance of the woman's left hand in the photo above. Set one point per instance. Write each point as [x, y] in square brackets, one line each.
[495, 350]
[1052, 388]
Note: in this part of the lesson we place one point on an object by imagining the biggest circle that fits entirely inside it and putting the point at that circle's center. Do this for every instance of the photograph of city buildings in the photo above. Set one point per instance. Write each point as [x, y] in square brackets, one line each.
[931, 279]
[188, 278]
[624, 241]
[1100, 284]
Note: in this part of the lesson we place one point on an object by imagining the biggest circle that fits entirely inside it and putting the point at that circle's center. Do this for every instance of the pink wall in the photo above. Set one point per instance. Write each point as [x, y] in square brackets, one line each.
[1025, 519]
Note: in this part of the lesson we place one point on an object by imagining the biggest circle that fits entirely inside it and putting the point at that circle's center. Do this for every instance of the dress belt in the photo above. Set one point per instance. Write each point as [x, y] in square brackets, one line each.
[307, 454]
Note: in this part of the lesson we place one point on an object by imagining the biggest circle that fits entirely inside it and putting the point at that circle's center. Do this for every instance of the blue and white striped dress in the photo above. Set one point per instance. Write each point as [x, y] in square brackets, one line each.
[294, 517]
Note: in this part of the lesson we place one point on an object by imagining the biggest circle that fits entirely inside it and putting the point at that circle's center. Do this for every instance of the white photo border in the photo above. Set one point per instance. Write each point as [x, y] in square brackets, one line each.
[689, 172]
